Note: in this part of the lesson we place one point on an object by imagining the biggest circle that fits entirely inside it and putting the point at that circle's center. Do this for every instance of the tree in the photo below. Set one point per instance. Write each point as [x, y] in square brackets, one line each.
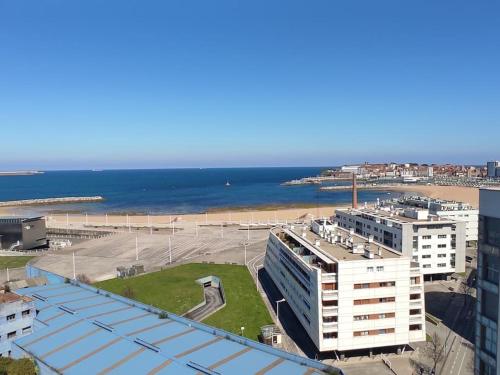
[83, 278]
[435, 350]
[466, 289]
[128, 292]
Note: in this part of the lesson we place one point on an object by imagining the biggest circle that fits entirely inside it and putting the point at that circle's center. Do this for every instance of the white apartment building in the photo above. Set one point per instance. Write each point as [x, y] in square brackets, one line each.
[347, 291]
[438, 244]
[446, 209]
[16, 319]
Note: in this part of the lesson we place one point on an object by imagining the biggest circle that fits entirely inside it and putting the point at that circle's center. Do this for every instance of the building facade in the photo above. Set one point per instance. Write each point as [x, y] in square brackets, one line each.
[347, 291]
[16, 319]
[446, 209]
[487, 307]
[492, 168]
[438, 244]
[22, 233]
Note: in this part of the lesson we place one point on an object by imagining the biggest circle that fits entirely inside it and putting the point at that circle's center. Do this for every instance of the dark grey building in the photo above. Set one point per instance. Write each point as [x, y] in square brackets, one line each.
[22, 233]
[487, 307]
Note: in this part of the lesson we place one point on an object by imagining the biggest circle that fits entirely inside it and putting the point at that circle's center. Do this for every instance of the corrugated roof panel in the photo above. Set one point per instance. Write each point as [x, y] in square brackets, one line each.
[218, 351]
[250, 362]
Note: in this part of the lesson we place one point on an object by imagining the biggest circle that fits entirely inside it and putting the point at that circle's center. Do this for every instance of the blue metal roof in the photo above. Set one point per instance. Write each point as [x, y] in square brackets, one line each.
[83, 330]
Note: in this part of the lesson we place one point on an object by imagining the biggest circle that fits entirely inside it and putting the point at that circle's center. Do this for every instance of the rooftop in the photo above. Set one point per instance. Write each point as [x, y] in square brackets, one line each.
[395, 216]
[340, 250]
[83, 330]
[9, 297]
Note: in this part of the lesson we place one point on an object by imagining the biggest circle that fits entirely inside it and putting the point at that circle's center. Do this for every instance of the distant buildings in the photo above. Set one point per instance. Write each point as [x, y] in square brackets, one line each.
[446, 209]
[16, 319]
[22, 233]
[493, 169]
[348, 291]
[487, 307]
[437, 243]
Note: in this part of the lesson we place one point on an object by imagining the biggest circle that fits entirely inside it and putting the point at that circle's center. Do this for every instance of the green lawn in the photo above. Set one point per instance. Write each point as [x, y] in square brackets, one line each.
[13, 262]
[175, 290]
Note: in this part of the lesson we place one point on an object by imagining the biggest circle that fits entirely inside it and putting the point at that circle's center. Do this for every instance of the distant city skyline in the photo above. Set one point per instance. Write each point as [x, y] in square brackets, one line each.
[127, 85]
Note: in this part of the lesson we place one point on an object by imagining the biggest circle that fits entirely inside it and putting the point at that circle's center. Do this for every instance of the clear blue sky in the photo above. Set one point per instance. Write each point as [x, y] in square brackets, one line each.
[134, 84]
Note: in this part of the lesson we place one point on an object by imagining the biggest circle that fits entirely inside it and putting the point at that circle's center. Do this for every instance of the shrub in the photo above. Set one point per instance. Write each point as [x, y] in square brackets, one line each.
[83, 278]
[128, 292]
[23, 366]
[4, 363]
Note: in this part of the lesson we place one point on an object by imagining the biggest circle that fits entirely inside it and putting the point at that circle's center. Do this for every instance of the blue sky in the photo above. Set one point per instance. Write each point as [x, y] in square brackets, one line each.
[138, 84]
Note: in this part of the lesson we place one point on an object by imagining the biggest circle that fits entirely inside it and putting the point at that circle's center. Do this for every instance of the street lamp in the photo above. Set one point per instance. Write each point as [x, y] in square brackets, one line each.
[242, 331]
[278, 308]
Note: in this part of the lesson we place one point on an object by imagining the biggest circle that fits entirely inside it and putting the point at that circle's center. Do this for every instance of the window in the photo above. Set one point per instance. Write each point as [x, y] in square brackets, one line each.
[491, 230]
[426, 247]
[426, 266]
[489, 305]
[330, 335]
[380, 268]
[11, 317]
[381, 316]
[25, 313]
[27, 329]
[361, 317]
[488, 340]
[441, 264]
[442, 246]
[442, 236]
[490, 268]
[426, 256]
[11, 335]
[369, 269]
[426, 237]
[441, 255]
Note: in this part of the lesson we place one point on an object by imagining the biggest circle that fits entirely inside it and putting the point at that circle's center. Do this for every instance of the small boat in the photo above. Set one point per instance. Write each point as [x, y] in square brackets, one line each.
[227, 183]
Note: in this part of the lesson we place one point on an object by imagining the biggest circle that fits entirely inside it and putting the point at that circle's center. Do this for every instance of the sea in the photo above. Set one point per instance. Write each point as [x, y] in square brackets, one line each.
[176, 191]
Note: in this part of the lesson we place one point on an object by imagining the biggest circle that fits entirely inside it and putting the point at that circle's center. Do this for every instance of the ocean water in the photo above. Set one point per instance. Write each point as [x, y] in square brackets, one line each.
[175, 190]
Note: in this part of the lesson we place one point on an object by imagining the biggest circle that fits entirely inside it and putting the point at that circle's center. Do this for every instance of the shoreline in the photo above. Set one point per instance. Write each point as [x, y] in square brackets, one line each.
[262, 212]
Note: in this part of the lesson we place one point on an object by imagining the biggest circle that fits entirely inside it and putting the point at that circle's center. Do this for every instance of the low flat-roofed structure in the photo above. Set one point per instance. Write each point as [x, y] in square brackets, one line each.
[24, 233]
[83, 330]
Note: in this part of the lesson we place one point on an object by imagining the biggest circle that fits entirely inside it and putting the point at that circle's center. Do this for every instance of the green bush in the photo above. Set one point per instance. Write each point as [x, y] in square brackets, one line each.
[23, 366]
[4, 363]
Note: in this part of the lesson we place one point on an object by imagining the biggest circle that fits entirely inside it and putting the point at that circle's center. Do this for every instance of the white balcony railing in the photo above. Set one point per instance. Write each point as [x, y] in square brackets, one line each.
[328, 277]
[415, 303]
[330, 310]
[330, 294]
[329, 327]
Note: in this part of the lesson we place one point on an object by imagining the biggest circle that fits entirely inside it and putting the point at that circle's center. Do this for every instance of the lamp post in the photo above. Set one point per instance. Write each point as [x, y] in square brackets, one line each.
[278, 308]
[242, 331]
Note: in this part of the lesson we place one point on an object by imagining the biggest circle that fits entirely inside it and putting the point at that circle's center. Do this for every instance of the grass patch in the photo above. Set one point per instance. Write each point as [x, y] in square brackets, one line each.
[175, 290]
[13, 262]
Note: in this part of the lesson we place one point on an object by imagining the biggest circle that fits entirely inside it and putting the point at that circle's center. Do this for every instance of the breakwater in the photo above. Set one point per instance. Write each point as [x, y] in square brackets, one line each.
[44, 201]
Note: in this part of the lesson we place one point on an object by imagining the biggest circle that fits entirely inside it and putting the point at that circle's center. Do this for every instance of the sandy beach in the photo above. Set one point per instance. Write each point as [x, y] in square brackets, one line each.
[262, 215]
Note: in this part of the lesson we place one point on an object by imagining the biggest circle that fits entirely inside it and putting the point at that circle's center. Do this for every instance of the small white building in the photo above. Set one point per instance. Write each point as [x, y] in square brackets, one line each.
[16, 319]
[347, 291]
[438, 244]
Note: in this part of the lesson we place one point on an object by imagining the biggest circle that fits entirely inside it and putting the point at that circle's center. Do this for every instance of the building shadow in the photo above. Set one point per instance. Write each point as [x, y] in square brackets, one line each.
[455, 310]
[291, 325]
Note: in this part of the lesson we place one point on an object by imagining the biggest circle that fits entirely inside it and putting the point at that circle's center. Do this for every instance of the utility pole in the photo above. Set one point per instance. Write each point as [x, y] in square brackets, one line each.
[136, 249]
[245, 253]
[170, 249]
[278, 308]
[106, 219]
[74, 267]
[196, 228]
[221, 231]
[86, 219]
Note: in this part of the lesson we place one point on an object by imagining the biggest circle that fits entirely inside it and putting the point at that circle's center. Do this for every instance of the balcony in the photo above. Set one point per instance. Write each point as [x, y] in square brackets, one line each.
[416, 287]
[416, 318]
[329, 295]
[416, 303]
[329, 277]
[330, 327]
[330, 310]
